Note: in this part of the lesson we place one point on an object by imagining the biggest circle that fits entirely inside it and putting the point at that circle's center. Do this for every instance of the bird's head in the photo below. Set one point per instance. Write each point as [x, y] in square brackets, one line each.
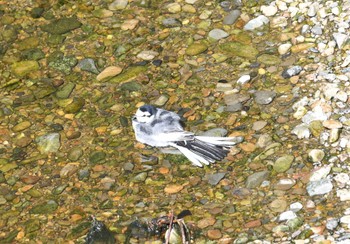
[145, 114]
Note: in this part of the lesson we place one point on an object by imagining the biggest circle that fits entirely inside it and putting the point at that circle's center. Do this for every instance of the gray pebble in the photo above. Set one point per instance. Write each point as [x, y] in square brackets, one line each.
[319, 187]
[231, 17]
[264, 97]
[214, 179]
[256, 179]
[291, 71]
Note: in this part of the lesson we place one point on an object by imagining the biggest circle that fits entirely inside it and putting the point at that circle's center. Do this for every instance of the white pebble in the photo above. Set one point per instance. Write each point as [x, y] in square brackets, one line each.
[342, 179]
[296, 206]
[284, 48]
[287, 216]
[243, 79]
[268, 10]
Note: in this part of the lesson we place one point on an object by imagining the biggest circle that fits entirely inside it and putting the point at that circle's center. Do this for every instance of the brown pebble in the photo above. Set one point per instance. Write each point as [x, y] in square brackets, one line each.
[57, 83]
[253, 223]
[171, 189]
[30, 179]
[332, 124]
[203, 223]
[247, 147]
[214, 234]
[73, 134]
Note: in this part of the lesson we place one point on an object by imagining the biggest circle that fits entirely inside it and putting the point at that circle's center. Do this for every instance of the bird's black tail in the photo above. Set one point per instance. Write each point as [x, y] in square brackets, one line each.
[206, 150]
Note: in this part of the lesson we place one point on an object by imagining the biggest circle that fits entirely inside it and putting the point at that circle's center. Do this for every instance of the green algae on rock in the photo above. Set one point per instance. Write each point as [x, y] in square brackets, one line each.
[61, 26]
[269, 59]
[48, 143]
[283, 163]
[74, 107]
[238, 49]
[196, 48]
[45, 208]
[23, 68]
[128, 74]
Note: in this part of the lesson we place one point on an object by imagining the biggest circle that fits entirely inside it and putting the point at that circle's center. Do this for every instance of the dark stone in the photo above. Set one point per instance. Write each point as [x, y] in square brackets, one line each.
[36, 12]
[99, 233]
[157, 62]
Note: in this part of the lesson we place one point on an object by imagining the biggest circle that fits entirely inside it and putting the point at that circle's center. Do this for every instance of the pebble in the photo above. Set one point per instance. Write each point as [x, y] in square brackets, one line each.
[264, 97]
[243, 79]
[316, 114]
[171, 189]
[68, 170]
[62, 25]
[24, 68]
[340, 39]
[109, 72]
[319, 187]
[21, 126]
[214, 179]
[320, 173]
[258, 125]
[295, 207]
[278, 205]
[88, 64]
[214, 234]
[332, 223]
[231, 17]
[342, 179]
[284, 48]
[332, 124]
[204, 223]
[301, 131]
[317, 30]
[196, 48]
[283, 163]
[316, 155]
[287, 216]
[257, 22]
[147, 54]
[284, 184]
[292, 71]
[118, 5]
[269, 10]
[174, 8]
[130, 24]
[187, 8]
[343, 194]
[254, 180]
[48, 143]
[161, 101]
[218, 34]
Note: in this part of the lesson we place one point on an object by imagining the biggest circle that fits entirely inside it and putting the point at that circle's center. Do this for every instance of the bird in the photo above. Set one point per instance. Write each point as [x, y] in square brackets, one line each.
[161, 128]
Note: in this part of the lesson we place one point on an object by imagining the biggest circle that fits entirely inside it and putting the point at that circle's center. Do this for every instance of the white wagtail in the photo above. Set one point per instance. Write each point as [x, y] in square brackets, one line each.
[161, 128]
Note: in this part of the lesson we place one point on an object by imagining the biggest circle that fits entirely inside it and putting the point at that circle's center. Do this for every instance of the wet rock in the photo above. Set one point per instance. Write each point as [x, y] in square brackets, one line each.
[284, 184]
[88, 64]
[222, 87]
[62, 63]
[278, 205]
[268, 59]
[343, 194]
[257, 22]
[129, 74]
[48, 207]
[214, 179]
[174, 7]
[283, 163]
[68, 170]
[32, 225]
[107, 183]
[23, 68]
[96, 157]
[130, 24]
[332, 224]
[243, 79]
[36, 12]
[128, 166]
[316, 155]
[234, 107]
[316, 114]
[269, 10]
[33, 54]
[161, 101]
[231, 17]
[284, 48]
[99, 233]
[75, 153]
[238, 49]
[287, 216]
[29, 179]
[332, 124]
[28, 43]
[62, 26]
[317, 30]
[340, 39]
[295, 207]
[301, 131]
[147, 55]
[109, 72]
[214, 234]
[48, 143]
[118, 5]
[76, 105]
[171, 22]
[21, 126]
[218, 34]
[258, 125]
[295, 223]
[131, 86]
[196, 48]
[234, 98]
[264, 97]
[218, 132]
[171, 189]
[187, 8]
[204, 223]
[59, 189]
[342, 179]
[65, 91]
[292, 71]
[83, 174]
[256, 179]
[319, 187]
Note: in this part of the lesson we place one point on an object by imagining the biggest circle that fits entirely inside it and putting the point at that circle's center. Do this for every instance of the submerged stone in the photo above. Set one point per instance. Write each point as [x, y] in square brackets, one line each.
[48, 207]
[23, 68]
[239, 49]
[129, 74]
[196, 48]
[62, 25]
[48, 143]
